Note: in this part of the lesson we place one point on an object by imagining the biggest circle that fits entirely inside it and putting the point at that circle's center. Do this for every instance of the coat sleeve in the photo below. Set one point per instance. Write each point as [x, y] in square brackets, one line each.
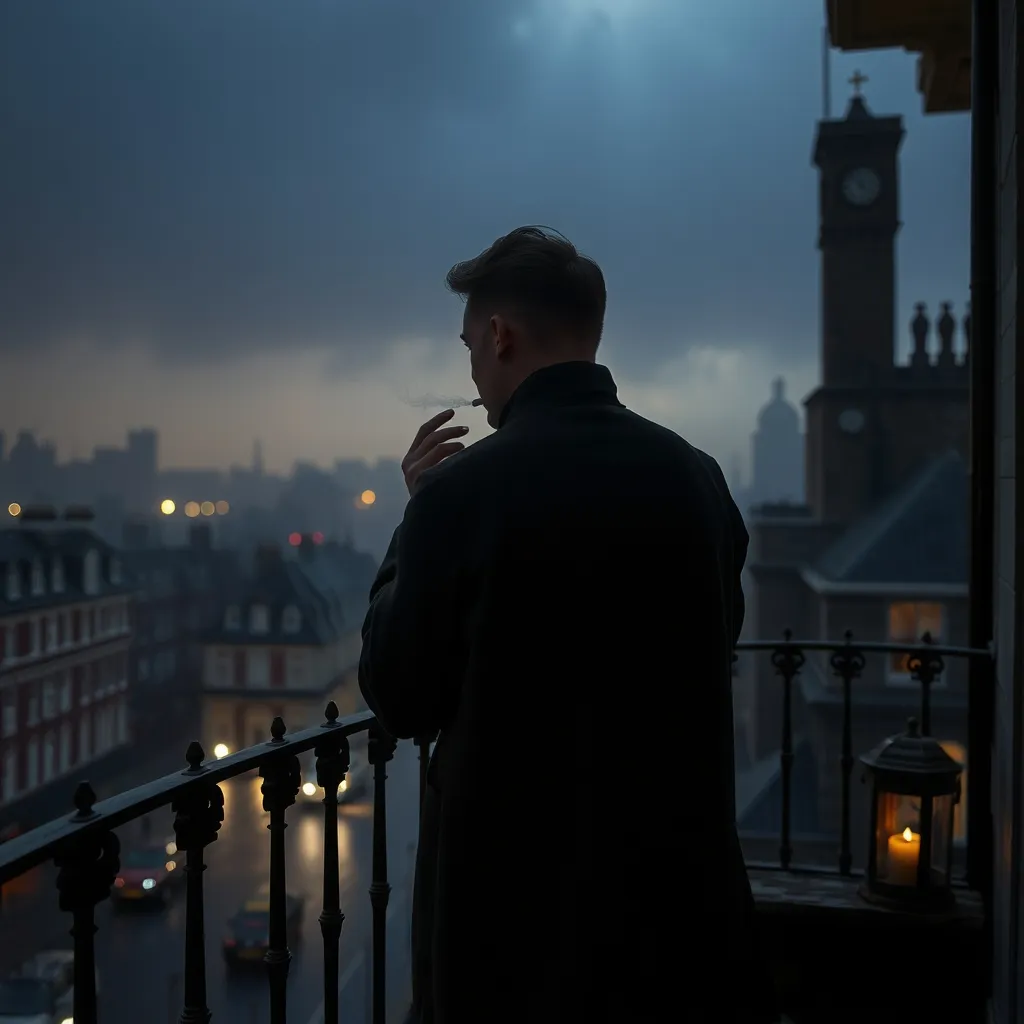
[410, 666]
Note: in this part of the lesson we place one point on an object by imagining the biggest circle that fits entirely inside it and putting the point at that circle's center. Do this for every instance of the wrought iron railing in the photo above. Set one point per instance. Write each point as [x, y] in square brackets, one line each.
[85, 850]
[926, 663]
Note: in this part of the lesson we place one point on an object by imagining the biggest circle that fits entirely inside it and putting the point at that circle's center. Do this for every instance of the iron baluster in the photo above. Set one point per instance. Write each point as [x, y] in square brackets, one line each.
[925, 667]
[281, 776]
[86, 869]
[198, 815]
[787, 659]
[332, 764]
[381, 748]
[847, 662]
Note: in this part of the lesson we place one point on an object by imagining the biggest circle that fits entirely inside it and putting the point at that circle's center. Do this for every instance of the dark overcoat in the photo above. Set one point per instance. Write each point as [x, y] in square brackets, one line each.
[561, 603]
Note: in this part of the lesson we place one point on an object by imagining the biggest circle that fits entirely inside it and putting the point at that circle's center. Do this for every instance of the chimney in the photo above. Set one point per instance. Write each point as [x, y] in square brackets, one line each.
[267, 557]
[79, 514]
[200, 537]
[39, 516]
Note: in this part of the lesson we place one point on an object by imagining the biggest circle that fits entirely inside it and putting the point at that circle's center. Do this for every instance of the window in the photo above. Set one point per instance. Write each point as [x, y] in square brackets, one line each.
[65, 691]
[32, 764]
[84, 738]
[10, 775]
[9, 722]
[259, 669]
[91, 572]
[239, 670]
[277, 668]
[57, 575]
[233, 617]
[13, 583]
[65, 747]
[291, 620]
[49, 699]
[908, 622]
[115, 572]
[86, 626]
[122, 722]
[34, 637]
[51, 632]
[297, 668]
[259, 620]
[142, 669]
[49, 757]
[38, 579]
[33, 704]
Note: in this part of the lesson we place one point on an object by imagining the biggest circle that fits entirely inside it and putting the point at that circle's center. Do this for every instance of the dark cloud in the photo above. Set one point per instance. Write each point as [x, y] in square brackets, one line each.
[221, 177]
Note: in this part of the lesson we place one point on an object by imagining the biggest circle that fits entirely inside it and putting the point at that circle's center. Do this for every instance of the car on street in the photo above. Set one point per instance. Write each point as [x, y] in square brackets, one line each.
[247, 937]
[353, 786]
[41, 991]
[149, 873]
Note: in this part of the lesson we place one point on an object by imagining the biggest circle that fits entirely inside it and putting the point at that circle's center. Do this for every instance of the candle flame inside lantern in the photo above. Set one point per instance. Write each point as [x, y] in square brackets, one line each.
[907, 834]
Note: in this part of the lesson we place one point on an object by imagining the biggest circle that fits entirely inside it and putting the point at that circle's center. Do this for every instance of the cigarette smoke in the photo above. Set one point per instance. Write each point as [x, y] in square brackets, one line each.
[438, 402]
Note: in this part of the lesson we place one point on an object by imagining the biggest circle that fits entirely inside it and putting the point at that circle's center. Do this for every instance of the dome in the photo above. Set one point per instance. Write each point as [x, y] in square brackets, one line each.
[778, 415]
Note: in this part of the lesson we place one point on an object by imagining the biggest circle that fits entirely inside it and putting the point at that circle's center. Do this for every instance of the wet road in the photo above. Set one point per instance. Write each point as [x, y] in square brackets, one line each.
[140, 952]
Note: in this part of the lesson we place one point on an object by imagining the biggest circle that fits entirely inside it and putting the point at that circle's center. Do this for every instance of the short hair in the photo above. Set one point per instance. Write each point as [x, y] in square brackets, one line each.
[540, 274]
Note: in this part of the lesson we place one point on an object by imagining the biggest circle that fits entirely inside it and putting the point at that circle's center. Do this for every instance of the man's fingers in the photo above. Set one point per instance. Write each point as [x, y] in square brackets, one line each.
[429, 427]
[435, 438]
[437, 454]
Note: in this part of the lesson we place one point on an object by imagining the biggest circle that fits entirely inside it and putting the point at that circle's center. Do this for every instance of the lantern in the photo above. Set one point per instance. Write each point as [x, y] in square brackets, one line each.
[915, 788]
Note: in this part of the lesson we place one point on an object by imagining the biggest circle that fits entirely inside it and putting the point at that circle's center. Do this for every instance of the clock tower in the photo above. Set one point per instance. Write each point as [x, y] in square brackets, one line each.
[858, 211]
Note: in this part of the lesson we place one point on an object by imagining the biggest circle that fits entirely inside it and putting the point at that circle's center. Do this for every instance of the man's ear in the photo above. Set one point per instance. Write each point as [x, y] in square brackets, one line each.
[502, 335]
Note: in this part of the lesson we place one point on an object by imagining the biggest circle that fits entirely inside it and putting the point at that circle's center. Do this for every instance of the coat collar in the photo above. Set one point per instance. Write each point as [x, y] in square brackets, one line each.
[563, 384]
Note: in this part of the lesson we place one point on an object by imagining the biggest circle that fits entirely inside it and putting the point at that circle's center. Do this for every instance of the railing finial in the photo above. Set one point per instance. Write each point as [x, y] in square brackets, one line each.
[277, 730]
[84, 799]
[194, 757]
[331, 712]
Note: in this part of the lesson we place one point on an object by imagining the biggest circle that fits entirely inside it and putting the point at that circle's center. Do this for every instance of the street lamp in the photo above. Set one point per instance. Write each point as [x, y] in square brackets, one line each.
[915, 786]
[167, 506]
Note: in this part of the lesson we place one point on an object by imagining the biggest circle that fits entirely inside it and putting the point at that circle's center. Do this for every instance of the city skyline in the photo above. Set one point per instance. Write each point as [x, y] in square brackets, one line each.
[223, 276]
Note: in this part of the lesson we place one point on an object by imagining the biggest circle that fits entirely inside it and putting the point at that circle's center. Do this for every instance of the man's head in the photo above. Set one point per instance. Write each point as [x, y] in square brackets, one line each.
[532, 301]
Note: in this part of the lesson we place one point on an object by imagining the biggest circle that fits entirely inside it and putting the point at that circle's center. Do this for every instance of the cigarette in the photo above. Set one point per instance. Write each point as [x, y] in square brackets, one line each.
[476, 402]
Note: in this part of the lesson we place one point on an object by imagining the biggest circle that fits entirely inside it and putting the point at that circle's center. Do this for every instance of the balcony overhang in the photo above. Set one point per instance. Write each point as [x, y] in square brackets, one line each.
[938, 30]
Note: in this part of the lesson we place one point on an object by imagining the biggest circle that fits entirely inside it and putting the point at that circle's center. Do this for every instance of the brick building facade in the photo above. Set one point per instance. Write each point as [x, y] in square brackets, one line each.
[65, 635]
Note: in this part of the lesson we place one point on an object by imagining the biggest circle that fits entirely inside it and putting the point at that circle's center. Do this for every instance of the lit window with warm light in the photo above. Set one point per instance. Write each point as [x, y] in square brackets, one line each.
[207, 508]
[223, 508]
[191, 509]
[167, 506]
[14, 509]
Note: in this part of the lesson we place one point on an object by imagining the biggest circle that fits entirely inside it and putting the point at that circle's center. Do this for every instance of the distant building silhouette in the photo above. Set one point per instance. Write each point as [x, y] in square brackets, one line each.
[777, 462]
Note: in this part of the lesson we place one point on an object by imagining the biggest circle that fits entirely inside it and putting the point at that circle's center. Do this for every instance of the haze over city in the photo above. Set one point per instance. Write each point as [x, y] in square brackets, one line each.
[228, 227]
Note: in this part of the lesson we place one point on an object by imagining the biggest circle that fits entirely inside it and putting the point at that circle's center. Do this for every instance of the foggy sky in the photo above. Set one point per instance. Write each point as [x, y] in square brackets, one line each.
[232, 218]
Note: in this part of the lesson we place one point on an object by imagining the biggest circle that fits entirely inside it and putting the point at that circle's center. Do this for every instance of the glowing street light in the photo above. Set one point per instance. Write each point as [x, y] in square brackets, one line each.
[14, 509]
[207, 508]
[367, 498]
[221, 750]
[167, 507]
[295, 539]
[223, 508]
[191, 509]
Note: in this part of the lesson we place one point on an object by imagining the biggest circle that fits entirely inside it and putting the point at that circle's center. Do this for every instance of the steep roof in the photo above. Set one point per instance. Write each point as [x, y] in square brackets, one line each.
[920, 535]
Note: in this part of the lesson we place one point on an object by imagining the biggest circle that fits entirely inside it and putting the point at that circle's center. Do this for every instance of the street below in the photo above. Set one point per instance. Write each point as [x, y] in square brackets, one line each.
[140, 950]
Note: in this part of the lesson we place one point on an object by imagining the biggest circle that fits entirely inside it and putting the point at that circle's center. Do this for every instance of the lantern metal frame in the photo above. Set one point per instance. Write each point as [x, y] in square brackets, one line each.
[910, 765]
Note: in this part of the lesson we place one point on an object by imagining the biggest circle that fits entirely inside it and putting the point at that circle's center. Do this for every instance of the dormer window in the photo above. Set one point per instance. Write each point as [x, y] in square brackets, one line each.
[259, 619]
[291, 620]
[115, 572]
[91, 572]
[233, 617]
[13, 583]
[57, 575]
[38, 579]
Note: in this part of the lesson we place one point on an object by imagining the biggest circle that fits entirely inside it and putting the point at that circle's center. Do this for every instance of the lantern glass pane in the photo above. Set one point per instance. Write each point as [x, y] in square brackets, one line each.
[942, 815]
[898, 838]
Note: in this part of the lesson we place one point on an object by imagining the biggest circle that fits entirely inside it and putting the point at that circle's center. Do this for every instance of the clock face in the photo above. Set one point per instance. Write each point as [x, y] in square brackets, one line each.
[851, 421]
[861, 186]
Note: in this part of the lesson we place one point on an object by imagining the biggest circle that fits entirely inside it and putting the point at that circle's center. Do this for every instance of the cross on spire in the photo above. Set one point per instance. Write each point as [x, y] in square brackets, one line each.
[857, 80]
